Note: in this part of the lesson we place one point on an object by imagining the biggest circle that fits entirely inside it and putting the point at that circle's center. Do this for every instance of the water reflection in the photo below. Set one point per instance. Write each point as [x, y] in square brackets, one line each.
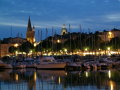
[31, 79]
[16, 77]
[109, 74]
[86, 74]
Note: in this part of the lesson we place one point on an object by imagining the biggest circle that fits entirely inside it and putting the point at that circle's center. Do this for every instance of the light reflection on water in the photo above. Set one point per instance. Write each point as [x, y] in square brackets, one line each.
[30, 79]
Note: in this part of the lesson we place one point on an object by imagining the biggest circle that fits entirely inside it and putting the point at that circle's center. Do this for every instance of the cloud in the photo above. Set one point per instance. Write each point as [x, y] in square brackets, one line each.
[25, 11]
[113, 17]
[12, 24]
[75, 22]
[47, 13]
[45, 24]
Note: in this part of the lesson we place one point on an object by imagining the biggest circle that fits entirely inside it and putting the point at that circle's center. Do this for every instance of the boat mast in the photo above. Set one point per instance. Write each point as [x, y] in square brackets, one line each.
[80, 36]
[89, 39]
[52, 39]
[11, 31]
[70, 36]
[41, 40]
[38, 35]
[0, 49]
[80, 41]
[105, 42]
[47, 41]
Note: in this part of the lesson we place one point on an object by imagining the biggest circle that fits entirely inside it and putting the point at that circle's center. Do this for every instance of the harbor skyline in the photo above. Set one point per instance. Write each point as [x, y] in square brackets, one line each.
[59, 44]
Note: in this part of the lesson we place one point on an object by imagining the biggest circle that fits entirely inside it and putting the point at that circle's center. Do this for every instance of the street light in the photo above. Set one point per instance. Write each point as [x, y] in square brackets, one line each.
[16, 52]
[31, 51]
[16, 45]
[65, 50]
[35, 44]
[108, 48]
[58, 41]
[86, 49]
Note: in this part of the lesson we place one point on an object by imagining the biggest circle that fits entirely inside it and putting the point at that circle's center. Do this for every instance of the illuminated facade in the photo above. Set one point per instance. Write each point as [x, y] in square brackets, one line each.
[30, 34]
[4, 49]
[8, 42]
[64, 30]
[108, 35]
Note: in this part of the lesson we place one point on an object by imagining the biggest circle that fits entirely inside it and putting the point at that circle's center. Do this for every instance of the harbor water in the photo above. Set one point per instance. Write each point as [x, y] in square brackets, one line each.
[31, 79]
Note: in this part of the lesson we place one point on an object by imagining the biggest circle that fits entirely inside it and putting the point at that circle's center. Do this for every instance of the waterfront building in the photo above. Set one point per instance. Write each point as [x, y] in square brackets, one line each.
[108, 35]
[4, 49]
[8, 42]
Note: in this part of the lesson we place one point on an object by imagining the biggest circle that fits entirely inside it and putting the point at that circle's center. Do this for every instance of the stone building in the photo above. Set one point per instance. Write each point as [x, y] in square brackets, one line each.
[108, 35]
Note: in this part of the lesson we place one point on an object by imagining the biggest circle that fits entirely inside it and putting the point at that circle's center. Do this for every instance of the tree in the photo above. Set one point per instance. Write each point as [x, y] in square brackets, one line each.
[12, 49]
[26, 47]
[115, 43]
[93, 41]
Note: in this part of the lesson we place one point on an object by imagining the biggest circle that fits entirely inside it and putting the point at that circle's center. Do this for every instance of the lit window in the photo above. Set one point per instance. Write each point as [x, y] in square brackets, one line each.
[110, 35]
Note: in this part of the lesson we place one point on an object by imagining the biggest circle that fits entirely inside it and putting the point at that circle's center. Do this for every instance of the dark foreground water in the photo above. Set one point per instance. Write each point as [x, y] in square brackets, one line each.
[31, 79]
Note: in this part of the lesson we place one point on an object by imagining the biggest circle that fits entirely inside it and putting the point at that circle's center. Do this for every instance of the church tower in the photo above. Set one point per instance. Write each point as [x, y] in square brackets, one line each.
[64, 30]
[30, 34]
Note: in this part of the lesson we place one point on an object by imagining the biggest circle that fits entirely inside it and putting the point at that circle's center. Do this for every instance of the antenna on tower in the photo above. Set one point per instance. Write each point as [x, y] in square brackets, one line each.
[64, 26]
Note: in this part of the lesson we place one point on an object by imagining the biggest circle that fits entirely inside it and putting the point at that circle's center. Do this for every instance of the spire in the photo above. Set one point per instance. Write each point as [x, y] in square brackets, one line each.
[29, 25]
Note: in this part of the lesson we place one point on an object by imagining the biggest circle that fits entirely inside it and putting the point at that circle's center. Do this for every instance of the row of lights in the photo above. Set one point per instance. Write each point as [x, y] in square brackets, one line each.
[65, 51]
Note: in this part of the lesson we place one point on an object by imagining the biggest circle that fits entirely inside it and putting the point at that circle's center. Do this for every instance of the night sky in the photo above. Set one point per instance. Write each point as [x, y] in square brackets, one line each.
[92, 14]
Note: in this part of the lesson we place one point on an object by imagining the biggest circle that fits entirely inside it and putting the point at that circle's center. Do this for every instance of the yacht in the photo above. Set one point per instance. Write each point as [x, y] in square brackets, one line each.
[48, 62]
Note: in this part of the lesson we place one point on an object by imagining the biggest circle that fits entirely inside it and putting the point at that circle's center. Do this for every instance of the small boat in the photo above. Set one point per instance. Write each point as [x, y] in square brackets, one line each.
[30, 63]
[4, 65]
[105, 64]
[49, 62]
[73, 66]
[19, 66]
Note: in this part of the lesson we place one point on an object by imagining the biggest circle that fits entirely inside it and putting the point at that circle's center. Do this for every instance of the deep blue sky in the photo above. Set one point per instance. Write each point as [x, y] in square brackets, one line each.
[93, 14]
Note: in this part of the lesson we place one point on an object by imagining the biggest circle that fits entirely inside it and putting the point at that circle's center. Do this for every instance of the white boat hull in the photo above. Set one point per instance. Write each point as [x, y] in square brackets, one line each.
[51, 66]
